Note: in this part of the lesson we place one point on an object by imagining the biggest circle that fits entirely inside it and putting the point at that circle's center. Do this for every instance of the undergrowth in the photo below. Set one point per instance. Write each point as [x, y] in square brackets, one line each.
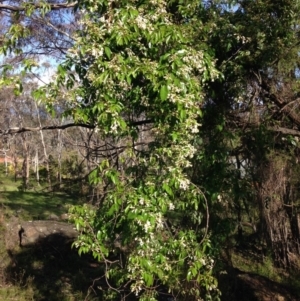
[263, 265]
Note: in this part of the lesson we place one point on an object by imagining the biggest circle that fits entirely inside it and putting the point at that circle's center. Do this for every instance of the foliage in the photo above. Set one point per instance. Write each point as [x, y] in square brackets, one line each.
[139, 63]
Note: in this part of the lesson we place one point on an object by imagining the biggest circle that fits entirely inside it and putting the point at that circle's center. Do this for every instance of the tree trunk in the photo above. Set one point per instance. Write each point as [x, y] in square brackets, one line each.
[59, 157]
[25, 166]
[36, 167]
[44, 148]
[274, 219]
[5, 162]
[293, 215]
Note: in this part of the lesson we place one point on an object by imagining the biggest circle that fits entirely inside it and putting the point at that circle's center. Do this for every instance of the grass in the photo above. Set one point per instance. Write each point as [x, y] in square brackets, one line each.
[36, 203]
[50, 270]
[253, 265]
[258, 264]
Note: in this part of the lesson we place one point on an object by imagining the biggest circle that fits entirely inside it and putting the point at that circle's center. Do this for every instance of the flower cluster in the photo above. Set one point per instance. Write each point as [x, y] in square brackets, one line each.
[184, 184]
[137, 286]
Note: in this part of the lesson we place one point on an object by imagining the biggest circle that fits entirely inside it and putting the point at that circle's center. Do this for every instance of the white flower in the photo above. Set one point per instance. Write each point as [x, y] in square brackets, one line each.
[137, 287]
[184, 184]
[147, 226]
[195, 129]
[139, 240]
[159, 223]
[141, 22]
[114, 127]
[171, 206]
[202, 260]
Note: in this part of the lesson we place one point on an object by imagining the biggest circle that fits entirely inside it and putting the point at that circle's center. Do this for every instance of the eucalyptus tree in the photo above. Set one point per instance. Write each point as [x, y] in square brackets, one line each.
[34, 37]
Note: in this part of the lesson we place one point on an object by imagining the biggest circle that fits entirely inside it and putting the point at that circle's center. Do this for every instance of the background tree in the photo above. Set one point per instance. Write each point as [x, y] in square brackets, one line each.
[256, 105]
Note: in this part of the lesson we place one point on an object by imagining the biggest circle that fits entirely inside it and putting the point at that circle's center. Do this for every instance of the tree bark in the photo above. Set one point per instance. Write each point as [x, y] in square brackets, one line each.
[274, 219]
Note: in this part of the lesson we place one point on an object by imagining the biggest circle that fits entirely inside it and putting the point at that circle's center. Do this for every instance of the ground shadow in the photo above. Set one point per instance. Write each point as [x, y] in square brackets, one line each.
[56, 271]
[237, 285]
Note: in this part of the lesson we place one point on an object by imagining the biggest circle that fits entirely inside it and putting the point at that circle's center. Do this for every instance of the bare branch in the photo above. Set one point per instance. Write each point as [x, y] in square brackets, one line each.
[17, 130]
[281, 103]
[285, 131]
[54, 6]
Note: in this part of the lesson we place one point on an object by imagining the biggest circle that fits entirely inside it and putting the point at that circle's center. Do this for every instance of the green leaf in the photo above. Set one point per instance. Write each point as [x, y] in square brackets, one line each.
[61, 70]
[168, 189]
[163, 92]
[182, 114]
[107, 52]
[220, 127]
[148, 279]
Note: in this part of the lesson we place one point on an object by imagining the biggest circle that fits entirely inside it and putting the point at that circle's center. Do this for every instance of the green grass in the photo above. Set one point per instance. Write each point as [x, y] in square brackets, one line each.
[6, 184]
[50, 270]
[253, 265]
[264, 266]
[35, 203]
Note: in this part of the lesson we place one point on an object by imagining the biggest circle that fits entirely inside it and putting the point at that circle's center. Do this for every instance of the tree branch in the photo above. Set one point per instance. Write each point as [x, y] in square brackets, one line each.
[284, 131]
[53, 6]
[283, 105]
[17, 130]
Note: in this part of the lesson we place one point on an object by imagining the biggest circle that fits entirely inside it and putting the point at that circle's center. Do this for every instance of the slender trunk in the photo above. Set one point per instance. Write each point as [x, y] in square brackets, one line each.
[36, 161]
[59, 146]
[14, 160]
[44, 149]
[15, 167]
[5, 163]
[25, 166]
